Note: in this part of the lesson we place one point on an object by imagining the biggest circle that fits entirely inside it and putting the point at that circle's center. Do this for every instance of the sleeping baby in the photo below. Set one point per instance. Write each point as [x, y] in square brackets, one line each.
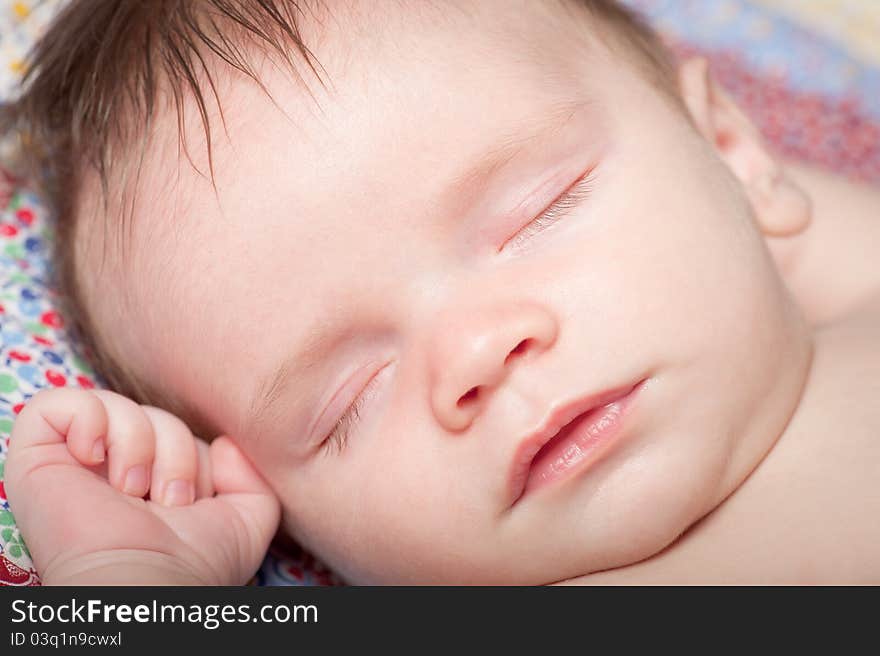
[463, 292]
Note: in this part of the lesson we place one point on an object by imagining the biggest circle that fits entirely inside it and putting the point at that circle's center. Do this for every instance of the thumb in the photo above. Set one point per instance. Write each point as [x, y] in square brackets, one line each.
[241, 487]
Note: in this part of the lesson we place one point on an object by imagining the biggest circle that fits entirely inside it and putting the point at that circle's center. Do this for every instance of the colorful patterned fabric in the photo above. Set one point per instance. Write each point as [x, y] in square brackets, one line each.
[814, 92]
[808, 71]
[31, 354]
[21, 23]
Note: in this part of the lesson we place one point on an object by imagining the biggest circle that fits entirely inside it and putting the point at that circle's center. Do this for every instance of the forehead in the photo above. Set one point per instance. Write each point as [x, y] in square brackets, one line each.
[306, 185]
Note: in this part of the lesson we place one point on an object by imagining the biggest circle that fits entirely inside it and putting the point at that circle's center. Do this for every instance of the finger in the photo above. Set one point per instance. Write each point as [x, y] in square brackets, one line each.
[130, 444]
[57, 416]
[205, 476]
[175, 465]
[44, 479]
[233, 472]
[240, 486]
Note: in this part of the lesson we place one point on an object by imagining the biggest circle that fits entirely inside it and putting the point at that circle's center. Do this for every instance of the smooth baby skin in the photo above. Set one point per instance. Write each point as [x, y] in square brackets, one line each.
[818, 486]
[672, 269]
[807, 515]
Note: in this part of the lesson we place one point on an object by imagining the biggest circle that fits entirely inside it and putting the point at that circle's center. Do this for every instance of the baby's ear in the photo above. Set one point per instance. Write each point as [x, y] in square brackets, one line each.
[781, 206]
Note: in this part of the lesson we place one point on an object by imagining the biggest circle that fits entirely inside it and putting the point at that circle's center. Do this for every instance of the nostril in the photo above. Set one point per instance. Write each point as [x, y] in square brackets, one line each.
[473, 393]
[470, 397]
[520, 348]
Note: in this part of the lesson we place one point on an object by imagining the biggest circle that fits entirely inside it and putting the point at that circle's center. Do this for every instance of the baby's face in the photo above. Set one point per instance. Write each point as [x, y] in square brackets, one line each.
[386, 247]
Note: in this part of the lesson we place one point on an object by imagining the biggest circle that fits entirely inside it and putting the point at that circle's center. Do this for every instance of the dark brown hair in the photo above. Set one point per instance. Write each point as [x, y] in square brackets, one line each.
[91, 90]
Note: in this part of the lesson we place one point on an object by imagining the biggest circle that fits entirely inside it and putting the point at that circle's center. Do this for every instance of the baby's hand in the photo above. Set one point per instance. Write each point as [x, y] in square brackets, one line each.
[79, 467]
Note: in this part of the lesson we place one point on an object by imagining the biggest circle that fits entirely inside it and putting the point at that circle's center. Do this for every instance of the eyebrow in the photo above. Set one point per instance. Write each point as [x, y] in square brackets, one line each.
[322, 336]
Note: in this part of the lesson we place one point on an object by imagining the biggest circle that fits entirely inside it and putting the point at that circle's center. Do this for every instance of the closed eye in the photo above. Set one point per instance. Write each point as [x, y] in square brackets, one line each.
[561, 207]
[339, 435]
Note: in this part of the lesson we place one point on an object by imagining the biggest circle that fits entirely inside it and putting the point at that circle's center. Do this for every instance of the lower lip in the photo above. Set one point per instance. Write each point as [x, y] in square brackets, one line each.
[580, 444]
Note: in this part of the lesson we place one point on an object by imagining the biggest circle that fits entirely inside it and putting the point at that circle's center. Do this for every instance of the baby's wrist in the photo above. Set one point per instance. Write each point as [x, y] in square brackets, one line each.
[122, 568]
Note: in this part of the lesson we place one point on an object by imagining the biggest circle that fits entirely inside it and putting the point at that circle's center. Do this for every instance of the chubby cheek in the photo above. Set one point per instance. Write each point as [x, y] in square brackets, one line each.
[382, 510]
[680, 274]
[686, 262]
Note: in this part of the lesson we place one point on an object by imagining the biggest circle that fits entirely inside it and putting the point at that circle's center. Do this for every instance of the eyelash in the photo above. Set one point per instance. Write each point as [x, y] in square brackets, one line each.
[560, 208]
[569, 200]
[338, 437]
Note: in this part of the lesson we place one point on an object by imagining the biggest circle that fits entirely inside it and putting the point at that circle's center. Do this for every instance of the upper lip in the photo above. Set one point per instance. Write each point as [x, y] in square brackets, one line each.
[558, 416]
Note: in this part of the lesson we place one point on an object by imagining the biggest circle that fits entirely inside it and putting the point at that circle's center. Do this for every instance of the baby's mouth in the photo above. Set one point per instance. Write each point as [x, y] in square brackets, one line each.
[569, 445]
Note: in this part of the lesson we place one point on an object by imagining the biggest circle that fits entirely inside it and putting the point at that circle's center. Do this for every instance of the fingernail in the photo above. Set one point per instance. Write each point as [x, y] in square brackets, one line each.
[98, 450]
[136, 481]
[179, 493]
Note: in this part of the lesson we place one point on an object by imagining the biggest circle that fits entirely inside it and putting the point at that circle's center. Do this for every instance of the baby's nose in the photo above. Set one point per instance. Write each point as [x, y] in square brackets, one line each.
[473, 351]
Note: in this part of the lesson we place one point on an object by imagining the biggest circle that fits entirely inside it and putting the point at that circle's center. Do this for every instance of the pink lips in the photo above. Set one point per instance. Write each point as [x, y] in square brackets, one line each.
[570, 439]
